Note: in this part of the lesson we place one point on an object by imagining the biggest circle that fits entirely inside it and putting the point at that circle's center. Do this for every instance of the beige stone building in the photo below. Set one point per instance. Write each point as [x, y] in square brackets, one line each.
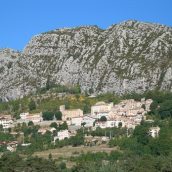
[101, 109]
[68, 114]
[35, 118]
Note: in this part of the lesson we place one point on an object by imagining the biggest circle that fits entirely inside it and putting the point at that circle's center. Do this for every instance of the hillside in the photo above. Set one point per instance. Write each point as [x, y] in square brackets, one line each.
[130, 56]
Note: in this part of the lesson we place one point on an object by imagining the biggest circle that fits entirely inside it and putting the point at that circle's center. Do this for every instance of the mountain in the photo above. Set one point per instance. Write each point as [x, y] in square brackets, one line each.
[126, 57]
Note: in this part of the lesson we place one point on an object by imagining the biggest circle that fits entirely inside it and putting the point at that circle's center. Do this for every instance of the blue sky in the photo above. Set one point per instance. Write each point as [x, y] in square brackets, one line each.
[21, 19]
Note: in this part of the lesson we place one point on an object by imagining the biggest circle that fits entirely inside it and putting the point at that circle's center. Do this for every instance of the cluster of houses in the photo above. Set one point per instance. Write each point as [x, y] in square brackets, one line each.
[128, 113]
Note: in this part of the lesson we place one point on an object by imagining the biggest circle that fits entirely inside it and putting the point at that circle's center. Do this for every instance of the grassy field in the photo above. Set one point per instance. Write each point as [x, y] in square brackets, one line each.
[67, 152]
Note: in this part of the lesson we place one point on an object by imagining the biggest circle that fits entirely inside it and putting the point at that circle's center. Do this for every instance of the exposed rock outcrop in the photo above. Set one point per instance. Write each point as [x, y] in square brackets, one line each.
[130, 56]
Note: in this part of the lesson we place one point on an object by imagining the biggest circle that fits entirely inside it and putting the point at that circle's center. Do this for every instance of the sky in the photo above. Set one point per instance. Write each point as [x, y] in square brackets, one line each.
[22, 19]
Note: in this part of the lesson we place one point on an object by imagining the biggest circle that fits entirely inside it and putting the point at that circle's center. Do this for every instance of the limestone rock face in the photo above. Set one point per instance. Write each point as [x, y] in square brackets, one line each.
[13, 75]
[130, 56]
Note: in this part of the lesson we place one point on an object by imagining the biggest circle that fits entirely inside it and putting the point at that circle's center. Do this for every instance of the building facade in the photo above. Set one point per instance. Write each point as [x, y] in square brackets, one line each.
[61, 135]
[101, 109]
[77, 121]
[88, 121]
[6, 121]
[35, 118]
[68, 114]
[154, 131]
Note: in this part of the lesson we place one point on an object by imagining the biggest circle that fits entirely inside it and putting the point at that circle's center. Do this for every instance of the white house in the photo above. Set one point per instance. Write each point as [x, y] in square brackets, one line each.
[154, 131]
[24, 115]
[77, 121]
[88, 120]
[52, 129]
[11, 146]
[110, 123]
[99, 115]
[6, 121]
[44, 130]
[61, 135]
[101, 124]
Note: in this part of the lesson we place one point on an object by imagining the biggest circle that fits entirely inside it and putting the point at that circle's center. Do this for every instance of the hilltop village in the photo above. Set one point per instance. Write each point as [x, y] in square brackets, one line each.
[126, 114]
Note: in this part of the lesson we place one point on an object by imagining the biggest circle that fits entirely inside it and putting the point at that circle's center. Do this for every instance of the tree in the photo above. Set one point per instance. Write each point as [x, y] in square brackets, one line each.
[12, 162]
[32, 105]
[77, 97]
[160, 146]
[143, 106]
[63, 126]
[50, 157]
[86, 108]
[48, 83]
[83, 124]
[141, 133]
[67, 104]
[48, 116]
[164, 114]
[91, 91]
[1, 128]
[54, 125]
[120, 124]
[62, 165]
[6, 137]
[77, 140]
[58, 115]
[103, 119]
[30, 123]
[9, 130]
[75, 90]
[15, 105]
[165, 108]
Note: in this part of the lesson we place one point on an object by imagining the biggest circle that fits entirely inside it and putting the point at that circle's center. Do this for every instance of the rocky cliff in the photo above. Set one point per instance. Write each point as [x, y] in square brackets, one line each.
[126, 57]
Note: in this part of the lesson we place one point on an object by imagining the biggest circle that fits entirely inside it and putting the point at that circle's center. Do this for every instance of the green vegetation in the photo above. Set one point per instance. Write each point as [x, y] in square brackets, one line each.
[49, 103]
[32, 105]
[134, 150]
[109, 132]
[58, 115]
[6, 136]
[136, 153]
[14, 162]
[48, 116]
[57, 88]
[73, 141]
